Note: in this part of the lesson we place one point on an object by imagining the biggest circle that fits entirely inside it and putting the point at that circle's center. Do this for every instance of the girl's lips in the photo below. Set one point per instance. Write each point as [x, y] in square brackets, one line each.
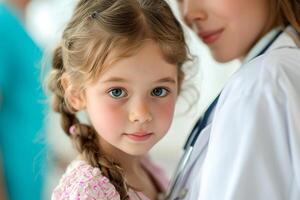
[139, 136]
[210, 37]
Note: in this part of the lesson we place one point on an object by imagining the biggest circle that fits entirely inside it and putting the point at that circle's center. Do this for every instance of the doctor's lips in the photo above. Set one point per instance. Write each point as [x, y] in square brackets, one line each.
[209, 37]
[139, 136]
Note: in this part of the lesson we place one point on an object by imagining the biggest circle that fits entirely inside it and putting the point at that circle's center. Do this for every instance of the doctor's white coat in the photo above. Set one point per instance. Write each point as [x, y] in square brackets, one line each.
[251, 148]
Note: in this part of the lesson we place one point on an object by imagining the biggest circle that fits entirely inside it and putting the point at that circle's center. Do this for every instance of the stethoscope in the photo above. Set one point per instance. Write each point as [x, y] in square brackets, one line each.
[174, 191]
[188, 149]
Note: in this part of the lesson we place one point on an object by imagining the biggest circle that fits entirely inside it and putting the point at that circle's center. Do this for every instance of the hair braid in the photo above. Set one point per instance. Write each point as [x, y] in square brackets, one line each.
[87, 143]
[85, 137]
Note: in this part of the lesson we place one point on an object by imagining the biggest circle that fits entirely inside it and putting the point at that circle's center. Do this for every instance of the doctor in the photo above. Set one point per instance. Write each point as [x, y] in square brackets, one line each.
[247, 145]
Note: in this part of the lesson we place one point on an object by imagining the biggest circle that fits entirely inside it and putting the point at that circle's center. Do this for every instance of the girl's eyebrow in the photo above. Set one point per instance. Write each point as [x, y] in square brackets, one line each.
[166, 80]
[119, 79]
[115, 79]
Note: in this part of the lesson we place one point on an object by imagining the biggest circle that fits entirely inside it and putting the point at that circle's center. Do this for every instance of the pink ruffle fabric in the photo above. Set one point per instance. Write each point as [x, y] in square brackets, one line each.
[83, 182]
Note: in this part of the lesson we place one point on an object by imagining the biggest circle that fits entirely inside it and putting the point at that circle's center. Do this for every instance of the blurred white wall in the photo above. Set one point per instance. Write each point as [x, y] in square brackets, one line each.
[45, 21]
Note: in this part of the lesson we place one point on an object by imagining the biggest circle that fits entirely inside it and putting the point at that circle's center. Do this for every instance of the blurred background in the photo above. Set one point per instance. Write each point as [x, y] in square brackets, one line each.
[44, 21]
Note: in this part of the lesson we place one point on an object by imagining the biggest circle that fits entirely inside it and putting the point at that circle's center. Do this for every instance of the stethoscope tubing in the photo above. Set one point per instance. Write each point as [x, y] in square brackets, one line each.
[188, 149]
[179, 173]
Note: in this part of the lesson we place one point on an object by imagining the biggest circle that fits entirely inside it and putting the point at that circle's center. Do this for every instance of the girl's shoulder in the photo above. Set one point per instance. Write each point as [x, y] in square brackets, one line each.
[82, 181]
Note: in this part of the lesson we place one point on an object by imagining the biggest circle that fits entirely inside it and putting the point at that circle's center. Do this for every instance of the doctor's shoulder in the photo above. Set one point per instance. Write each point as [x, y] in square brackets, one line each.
[275, 73]
[82, 181]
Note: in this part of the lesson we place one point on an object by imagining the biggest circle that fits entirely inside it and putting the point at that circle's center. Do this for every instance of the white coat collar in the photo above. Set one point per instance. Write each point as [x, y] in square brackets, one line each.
[288, 38]
[261, 44]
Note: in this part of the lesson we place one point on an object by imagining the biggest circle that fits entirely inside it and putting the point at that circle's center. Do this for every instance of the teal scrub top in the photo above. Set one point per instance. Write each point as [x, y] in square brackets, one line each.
[21, 109]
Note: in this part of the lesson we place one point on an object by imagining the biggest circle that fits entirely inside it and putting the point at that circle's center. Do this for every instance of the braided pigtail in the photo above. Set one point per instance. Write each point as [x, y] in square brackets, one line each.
[54, 84]
[87, 143]
[84, 137]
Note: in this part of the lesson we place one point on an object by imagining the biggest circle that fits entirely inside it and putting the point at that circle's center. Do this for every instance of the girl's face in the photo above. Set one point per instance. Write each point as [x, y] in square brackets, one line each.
[131, 105]
[229, 27]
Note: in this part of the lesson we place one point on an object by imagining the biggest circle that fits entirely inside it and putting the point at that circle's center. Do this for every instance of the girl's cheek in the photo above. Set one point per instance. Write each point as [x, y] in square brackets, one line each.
[166, 110]
[108, 116]
[112, 112]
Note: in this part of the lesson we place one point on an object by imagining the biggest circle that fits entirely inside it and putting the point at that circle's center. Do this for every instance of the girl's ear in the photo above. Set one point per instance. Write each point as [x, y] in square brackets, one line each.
[74, 97]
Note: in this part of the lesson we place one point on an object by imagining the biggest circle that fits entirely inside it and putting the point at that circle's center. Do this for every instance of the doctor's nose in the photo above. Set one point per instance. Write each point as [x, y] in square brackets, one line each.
[192, 11]
[140, 113]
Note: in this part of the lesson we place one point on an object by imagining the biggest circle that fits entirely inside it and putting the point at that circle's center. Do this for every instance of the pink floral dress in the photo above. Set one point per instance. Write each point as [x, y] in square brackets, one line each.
[82, 181]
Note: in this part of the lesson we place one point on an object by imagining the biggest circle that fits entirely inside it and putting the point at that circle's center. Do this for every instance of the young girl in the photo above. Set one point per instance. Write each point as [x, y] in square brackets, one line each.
[120, 61]
[250, 146]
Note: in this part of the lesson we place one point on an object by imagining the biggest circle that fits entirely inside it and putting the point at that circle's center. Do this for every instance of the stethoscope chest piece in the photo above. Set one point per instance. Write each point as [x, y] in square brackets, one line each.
[182, 193]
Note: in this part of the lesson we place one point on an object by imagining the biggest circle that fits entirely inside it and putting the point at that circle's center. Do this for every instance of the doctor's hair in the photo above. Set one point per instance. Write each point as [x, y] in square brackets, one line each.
[286, 12]
[96, 29]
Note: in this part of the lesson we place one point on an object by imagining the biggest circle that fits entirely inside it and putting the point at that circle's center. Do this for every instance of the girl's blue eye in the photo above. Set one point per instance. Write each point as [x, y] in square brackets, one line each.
[117, 93]
[159, 92]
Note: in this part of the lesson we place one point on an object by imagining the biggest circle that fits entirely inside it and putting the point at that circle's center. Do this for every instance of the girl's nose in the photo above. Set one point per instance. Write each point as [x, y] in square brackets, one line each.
[140, 113]
[192, 11]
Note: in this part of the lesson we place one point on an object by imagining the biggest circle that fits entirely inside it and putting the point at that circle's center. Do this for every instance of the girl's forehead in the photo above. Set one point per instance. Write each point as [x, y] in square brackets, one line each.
[146, 53]
[147, 62]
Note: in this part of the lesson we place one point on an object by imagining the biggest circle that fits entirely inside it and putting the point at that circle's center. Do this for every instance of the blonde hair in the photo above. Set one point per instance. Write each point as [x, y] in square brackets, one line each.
[96, 28]
[286, 12]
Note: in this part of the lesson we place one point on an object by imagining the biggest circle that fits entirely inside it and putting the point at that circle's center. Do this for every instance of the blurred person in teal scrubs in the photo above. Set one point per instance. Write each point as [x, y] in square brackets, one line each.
[22, 151]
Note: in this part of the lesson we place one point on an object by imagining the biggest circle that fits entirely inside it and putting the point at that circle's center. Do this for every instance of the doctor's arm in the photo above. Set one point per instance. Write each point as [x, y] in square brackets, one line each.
[254, 149]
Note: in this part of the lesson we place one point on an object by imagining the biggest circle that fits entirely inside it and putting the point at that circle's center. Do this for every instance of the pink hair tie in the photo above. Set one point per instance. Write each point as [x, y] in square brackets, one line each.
[72, 130]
